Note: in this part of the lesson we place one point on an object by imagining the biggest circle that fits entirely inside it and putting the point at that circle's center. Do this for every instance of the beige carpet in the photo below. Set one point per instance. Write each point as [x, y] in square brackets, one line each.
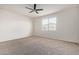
[38, 46]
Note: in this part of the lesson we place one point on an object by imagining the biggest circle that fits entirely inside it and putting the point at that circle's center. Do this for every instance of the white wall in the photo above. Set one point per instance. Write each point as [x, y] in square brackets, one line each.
[66, 26]
[14, 26]
[78, 19]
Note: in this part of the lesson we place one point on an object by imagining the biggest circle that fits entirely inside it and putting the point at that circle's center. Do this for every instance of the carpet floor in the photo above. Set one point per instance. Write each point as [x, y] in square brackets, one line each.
[38, 46]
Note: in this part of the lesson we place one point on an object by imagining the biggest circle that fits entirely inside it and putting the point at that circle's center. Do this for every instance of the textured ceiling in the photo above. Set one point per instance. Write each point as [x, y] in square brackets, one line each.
[48, 8]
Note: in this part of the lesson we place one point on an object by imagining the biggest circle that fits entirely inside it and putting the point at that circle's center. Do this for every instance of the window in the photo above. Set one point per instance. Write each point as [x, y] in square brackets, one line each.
[49, 24]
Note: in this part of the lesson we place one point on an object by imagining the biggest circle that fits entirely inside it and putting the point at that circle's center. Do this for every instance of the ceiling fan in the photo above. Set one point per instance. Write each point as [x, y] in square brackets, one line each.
[34, 9]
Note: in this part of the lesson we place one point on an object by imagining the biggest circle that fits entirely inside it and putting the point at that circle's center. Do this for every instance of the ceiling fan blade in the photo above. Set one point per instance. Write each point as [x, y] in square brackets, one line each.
[39, 9]
[29, 8]
[34, 6]
[31, 11]
[36, 12]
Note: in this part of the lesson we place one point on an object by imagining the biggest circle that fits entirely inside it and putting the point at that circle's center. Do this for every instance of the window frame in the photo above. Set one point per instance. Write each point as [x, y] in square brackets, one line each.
[47, 18]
